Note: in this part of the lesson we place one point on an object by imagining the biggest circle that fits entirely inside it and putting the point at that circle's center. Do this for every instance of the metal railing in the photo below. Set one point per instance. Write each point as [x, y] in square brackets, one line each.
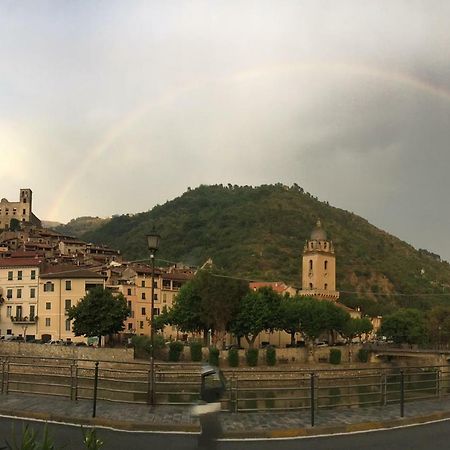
[247, 390]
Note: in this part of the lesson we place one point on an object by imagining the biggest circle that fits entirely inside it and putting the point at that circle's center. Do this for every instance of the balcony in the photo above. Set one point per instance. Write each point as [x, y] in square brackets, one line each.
[24, 320]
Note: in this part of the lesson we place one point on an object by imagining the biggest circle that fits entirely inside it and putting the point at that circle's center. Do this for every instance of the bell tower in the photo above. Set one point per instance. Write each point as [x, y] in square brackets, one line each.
[319, 266]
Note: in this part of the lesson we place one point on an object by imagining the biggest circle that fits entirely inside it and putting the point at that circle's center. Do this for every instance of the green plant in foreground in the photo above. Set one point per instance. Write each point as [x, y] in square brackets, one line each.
[30, 440]
[90, 440]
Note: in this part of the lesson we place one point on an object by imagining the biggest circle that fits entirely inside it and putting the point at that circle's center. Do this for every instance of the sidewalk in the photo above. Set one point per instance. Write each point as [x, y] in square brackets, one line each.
[179, 419]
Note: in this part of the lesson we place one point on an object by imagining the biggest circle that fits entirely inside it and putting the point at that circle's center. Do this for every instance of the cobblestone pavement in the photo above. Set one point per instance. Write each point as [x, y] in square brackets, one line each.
[173, 417]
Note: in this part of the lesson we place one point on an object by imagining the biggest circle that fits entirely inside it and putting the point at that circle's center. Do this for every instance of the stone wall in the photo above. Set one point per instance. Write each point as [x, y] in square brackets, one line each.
[61, 351]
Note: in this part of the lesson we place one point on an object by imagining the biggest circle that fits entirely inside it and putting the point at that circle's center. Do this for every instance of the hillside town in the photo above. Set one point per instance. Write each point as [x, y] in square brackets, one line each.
[44, 273]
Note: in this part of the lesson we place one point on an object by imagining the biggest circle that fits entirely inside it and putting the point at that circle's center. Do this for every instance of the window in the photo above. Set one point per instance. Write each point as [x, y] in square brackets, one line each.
[67, 304]
[49, 287]
[130, 326]
[33, 274]
[143, 296]
[325, 286]
[18, 312]
[129, 291]
[68, 285]
[310, 264]
[129, 304]
[310, 285]
[164, 298]
[48, 305]
[68, 327]
[32, 312]
[325, 265]
[32, 292]
[143, 283]
[156, 311]
[141, 324]
[19, 293]
[47, 321]
[8, 311]
[143, 311]
[9, 293]
[19, 275]
[155, 297]
[24, 212]
[155, 284]
[10, 275]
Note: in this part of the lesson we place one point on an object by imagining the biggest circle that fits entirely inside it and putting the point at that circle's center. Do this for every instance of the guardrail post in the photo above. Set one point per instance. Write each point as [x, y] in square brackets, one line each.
[438, 382]
[402, 393]
[236, 397]
[3, 375]
[150, 381]
[7, 375]
[312, 389]
[94, 406]
[231, 395]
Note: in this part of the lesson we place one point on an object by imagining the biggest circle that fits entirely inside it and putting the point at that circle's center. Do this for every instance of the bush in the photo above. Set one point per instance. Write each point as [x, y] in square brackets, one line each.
[233, 357]
[335, 356]
[175, 349]
[252, 357]
[214, 356]
[271, 356]
[143, 347]
[363, 355]
[196, 351]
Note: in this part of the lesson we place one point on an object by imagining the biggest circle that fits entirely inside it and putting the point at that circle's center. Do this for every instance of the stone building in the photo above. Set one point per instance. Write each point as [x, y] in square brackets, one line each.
[21, 210]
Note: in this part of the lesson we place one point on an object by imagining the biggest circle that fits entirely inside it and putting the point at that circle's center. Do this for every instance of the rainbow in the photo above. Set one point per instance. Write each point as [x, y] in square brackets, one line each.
[126, 123]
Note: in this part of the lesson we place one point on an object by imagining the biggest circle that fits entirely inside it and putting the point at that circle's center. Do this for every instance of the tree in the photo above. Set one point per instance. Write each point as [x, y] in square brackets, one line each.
[404, 326]
[290, 316]
[438, 325]
[356, 327]
[99, 313]
[208, 302]
[258, 311]
[336, 318]
[14, 224]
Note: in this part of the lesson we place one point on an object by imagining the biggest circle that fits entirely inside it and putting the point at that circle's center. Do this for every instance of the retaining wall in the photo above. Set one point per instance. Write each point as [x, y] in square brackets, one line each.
[61, 351]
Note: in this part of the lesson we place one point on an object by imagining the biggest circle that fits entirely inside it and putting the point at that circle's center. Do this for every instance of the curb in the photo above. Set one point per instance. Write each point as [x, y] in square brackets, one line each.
[255, 434]
[337, 429]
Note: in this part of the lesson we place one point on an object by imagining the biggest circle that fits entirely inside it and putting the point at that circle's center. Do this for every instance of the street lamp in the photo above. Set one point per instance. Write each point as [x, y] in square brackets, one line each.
[153, 244]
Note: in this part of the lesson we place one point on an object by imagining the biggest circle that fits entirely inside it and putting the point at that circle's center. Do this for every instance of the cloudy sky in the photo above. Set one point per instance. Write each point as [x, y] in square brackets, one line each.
[114, 106]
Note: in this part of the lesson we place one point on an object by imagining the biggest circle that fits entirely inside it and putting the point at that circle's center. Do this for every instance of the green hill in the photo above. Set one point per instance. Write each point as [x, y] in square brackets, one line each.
[259, 233]
[79, 226]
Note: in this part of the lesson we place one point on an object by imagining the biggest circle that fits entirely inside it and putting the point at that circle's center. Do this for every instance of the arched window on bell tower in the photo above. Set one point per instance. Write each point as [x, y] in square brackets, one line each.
[310, 264]
[325, 265]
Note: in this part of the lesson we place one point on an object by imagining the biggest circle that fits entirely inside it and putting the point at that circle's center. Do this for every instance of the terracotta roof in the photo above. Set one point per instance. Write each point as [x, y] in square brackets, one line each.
[20, 262]
[277, 286]
[177, 276]
[73, 273]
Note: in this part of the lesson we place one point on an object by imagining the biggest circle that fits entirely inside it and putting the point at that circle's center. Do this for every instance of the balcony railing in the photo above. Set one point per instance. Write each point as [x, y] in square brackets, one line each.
[25, 319]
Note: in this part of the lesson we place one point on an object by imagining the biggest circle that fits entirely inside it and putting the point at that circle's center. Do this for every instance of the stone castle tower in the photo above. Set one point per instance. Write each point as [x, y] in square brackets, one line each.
[319, 266]
[21, 210]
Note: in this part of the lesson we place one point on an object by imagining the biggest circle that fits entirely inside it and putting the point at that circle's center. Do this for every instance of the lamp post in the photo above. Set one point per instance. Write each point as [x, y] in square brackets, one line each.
[153, 244]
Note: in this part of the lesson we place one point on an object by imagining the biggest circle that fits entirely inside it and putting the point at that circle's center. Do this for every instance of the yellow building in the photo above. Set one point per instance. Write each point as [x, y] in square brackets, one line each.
[319, 266]
[21, 210]
[19, 296]
[60, 289]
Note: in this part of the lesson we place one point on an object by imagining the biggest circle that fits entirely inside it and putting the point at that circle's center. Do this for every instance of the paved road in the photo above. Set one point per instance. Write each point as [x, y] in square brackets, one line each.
[435, 435]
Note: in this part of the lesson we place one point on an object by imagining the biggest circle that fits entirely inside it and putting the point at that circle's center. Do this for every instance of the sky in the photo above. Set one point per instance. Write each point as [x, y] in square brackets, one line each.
[111, 107]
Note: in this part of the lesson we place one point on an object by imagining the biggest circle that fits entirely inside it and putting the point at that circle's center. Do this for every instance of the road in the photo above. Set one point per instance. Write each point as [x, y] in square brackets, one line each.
[434, 435]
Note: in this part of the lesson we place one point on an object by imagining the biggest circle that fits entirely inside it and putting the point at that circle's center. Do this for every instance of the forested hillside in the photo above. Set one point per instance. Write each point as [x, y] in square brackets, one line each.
[259, 233]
